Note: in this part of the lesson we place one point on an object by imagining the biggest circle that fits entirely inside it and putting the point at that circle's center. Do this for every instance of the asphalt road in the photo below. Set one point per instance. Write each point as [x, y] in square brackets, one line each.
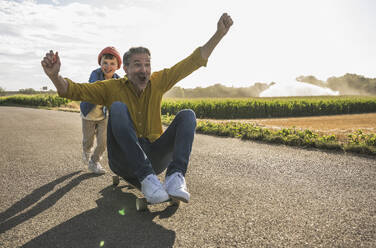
[243, 194]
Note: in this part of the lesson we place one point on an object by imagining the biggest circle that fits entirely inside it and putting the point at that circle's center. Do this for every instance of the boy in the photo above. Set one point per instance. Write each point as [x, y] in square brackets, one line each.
[94, 118]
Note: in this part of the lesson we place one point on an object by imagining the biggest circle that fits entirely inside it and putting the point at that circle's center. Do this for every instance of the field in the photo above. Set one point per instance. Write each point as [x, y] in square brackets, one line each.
[340, 125]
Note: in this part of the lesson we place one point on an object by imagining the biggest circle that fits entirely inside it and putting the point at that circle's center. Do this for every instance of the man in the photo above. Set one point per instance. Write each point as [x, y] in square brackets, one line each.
[138, 149]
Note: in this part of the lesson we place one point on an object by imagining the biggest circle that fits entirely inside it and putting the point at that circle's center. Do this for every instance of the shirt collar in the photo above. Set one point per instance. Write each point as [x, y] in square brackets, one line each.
[133, 88]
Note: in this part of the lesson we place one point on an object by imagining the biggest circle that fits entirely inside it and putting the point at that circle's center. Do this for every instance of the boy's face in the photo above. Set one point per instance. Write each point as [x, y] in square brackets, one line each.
[109, 66]
[138, 71]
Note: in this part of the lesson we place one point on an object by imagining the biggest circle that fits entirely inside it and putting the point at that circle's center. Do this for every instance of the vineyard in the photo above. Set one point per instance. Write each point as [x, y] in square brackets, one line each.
[272, 107]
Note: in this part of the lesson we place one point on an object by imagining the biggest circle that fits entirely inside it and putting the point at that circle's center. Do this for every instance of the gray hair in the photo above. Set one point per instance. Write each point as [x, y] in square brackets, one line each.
[134, 50]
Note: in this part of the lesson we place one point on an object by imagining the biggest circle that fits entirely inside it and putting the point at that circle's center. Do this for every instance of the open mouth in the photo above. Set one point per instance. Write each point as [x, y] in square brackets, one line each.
[142, 78]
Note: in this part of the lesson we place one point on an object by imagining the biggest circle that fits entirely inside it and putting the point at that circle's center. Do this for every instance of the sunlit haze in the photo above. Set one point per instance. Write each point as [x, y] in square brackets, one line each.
[270, 41]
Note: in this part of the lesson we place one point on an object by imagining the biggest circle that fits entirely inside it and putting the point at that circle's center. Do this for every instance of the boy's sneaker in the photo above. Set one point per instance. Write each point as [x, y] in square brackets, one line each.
[96, 167]
[86, 157]
[176, 187]
[153, 190]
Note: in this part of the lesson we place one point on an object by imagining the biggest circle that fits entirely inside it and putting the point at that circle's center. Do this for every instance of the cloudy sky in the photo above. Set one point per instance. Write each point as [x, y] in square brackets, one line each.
[271, 40]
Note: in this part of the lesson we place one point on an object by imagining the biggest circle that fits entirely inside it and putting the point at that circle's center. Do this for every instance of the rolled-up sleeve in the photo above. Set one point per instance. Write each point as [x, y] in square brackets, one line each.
[89, 92]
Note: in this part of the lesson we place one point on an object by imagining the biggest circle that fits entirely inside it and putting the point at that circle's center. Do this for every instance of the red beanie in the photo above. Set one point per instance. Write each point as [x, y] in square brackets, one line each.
[110, 50]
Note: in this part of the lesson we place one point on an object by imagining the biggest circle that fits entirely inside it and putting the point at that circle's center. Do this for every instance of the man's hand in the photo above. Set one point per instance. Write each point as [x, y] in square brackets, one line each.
[51, 64]
[224, 24]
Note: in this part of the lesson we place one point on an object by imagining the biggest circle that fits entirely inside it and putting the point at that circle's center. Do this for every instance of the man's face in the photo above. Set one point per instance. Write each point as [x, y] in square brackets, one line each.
[138, 71]
[108, 66]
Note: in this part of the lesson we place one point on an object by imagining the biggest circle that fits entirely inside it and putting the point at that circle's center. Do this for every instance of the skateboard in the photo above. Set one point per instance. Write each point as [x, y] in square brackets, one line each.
[141, 203]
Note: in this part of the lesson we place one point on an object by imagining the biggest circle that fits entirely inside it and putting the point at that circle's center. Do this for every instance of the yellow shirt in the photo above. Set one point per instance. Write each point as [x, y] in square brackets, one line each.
[145, 110]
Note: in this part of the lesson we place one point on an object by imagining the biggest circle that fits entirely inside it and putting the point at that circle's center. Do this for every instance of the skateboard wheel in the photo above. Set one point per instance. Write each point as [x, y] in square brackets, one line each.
[141, 204]
[174, 203]
[115, 180]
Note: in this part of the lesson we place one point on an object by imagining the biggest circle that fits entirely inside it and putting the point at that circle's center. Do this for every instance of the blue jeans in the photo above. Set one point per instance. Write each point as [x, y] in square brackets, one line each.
[135, 158]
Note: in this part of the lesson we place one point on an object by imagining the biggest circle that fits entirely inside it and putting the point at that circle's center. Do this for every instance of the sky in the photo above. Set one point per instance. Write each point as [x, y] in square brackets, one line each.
[270, 40]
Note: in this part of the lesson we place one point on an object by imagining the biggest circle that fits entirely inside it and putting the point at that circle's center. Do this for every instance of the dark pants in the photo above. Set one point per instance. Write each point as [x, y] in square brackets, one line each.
[135, 158]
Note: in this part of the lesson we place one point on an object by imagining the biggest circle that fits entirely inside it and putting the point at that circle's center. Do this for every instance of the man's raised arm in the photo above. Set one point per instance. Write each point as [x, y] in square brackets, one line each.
[223, 25]
[51, 66]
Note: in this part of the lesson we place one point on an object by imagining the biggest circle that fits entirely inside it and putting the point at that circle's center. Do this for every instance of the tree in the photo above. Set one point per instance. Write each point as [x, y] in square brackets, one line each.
[28, 91]
[311, 80]
[2, 91]
[348, 84]
[218, 91]
[175, 92]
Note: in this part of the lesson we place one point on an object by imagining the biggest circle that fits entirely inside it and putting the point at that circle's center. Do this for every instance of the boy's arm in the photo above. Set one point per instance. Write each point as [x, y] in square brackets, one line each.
[167, 78]
[94, 77]
[86, 107]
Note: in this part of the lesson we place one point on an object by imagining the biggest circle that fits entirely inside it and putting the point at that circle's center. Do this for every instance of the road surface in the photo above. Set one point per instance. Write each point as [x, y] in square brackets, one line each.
[243, 194]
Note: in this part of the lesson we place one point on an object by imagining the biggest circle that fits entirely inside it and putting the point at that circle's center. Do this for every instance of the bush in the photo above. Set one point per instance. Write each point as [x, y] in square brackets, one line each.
[2, 91]
[34, 100]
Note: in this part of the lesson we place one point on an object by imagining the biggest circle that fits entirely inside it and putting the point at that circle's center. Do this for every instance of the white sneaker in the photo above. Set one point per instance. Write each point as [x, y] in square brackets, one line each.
[176, 187]
[86, 157]
[96, 167]
[153, 190]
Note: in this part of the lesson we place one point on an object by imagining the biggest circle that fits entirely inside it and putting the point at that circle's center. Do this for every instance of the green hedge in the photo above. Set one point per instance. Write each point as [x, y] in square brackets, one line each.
[271, 107]
[34, 100]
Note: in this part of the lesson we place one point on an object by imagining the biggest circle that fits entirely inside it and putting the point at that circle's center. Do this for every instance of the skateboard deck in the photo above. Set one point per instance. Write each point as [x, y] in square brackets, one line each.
[141, 202]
